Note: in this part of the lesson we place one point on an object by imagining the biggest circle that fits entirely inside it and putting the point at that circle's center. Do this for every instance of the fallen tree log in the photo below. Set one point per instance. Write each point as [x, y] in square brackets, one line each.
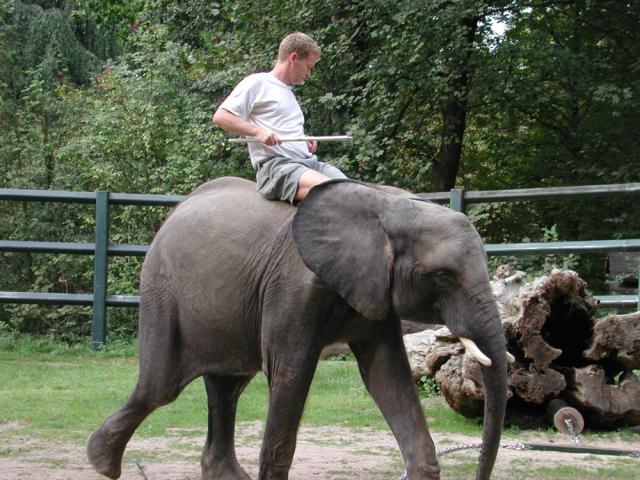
[616, 342]
[564, 417]
[428, 351]
[604, 404]
[555, 321]
[560, 350]
[459, 380]
[535, 385]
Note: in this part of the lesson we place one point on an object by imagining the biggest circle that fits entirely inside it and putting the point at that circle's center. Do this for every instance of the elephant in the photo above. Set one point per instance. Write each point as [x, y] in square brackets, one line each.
[233, 284]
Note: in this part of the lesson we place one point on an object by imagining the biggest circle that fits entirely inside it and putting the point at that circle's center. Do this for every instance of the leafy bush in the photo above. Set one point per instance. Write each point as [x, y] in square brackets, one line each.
[427, 386]
[100, 95]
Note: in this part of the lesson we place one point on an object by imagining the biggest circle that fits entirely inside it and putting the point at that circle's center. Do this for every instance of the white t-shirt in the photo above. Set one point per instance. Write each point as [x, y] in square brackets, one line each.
[264, 100]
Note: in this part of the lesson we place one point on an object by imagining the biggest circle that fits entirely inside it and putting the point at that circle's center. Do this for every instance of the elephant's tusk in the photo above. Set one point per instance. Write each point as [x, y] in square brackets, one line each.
[511, 358]
[471, 347]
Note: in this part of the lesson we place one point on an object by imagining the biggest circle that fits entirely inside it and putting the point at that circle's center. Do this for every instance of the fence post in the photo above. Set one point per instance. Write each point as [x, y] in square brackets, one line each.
[456, 199]
[99, 332]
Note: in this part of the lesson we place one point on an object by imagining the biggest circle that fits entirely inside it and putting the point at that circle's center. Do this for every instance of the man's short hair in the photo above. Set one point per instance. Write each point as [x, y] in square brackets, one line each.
[297, 42]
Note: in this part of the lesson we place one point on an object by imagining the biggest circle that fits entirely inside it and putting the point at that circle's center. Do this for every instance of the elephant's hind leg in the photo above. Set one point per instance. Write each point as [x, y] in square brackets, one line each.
[219, 457]
[106, 445]
[288, 388]
[155, 388]
[161, 378]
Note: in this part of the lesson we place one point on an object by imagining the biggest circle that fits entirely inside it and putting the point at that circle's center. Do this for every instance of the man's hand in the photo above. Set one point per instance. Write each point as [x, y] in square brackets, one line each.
[312, 145]
[268, 137]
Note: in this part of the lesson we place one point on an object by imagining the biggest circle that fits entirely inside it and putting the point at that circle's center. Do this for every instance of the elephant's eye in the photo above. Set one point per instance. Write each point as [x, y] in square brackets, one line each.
[443, 279]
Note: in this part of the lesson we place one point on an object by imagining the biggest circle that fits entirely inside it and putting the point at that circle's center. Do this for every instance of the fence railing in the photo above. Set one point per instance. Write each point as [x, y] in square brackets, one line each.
[101, 249]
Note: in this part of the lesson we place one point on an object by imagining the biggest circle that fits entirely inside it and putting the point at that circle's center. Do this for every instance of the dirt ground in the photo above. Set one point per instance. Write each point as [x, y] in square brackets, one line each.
[322, 454]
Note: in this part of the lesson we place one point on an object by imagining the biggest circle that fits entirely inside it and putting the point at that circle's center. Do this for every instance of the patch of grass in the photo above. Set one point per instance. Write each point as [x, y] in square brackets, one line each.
[53, 462]
[442, 418]
[67, 393]
[461, 466]
[616, 469]
[61, 396]
[28, 344]
[338, 397]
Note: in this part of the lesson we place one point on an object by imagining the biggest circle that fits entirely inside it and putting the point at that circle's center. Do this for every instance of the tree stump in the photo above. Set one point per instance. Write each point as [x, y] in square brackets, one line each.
[616, 342]
[459, 380]
[604, 404]
[565, 418]
[561, 353]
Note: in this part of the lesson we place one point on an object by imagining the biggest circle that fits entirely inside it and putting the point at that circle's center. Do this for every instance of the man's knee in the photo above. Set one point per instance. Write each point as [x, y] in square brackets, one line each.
[332, 172]
[309, 179]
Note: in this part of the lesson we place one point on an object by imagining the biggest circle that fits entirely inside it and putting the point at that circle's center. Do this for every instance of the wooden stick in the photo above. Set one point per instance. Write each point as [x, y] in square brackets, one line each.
[332, 138]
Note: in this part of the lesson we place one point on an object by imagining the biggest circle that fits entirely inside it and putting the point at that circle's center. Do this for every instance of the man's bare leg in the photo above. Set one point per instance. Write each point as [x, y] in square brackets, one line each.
[308, 180]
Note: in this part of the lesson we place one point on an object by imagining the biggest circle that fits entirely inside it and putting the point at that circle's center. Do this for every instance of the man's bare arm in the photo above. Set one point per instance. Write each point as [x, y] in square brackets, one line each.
[234, 124]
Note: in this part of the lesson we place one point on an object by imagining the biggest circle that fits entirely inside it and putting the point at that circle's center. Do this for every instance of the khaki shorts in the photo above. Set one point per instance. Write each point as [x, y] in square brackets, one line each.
[277, 178]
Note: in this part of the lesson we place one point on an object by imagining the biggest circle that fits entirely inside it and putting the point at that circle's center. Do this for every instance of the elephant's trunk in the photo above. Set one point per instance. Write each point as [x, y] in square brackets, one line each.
[495, 400]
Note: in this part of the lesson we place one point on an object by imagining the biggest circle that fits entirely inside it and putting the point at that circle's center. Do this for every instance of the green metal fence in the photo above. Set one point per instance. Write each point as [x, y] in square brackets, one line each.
[101, 249]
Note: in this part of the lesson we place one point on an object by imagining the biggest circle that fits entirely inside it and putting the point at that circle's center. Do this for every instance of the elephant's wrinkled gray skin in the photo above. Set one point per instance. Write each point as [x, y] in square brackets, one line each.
[234, 284]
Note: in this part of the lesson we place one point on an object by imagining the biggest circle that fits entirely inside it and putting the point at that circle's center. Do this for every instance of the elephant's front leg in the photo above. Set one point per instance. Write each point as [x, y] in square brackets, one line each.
[289, 381]
[386, 373]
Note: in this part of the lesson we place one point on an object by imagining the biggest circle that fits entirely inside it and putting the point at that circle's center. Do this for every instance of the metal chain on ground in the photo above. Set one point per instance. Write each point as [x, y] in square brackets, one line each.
[515, 446]
[575, 438]
[507, 446]
[470, 446]
[141, 469]
[456, 448]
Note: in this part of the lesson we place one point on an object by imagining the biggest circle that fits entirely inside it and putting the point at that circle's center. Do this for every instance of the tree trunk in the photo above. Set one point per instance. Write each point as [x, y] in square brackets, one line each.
[603, 403]
[560, 351]
[454, 110]
[615, 342]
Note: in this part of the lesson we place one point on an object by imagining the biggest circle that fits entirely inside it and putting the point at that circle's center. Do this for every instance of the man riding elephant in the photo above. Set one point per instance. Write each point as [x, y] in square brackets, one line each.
[263, 106]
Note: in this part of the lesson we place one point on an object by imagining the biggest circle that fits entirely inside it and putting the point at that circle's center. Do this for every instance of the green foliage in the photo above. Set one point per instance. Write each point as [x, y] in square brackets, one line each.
[117, 95]
[538, 265]
[142, 126]
[427, 386]
[104, 26]
[341, 357]
[144, 129]
[46, 45]
[566, 88]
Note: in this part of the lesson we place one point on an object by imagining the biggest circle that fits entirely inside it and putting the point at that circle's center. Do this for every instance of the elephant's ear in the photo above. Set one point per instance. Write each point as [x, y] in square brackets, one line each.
[341, 239]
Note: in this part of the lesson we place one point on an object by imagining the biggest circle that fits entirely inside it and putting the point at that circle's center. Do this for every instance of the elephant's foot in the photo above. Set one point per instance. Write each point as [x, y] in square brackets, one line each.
[105, 457]
[226, 474]
[426, 472]
[238, 475]
[223, 470]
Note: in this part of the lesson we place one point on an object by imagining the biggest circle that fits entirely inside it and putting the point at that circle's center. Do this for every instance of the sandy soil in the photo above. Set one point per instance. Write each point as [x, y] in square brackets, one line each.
[322, 454]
